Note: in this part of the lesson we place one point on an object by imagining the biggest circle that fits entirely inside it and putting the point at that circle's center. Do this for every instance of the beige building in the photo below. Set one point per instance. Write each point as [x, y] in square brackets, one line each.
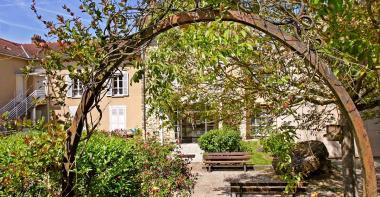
[20, 93]
[122, 107]
[23, 95]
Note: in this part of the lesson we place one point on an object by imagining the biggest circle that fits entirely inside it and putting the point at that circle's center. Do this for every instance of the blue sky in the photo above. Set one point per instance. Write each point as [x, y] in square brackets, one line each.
[18, 23]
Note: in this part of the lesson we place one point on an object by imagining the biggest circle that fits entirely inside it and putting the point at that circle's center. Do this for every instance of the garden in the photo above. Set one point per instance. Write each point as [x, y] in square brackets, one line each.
[268, 70]
[110, 165]
[278, 155]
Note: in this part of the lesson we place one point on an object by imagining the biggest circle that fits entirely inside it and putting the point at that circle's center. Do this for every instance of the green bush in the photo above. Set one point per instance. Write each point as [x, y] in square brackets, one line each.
[30, 164]
[107, 166]
[220, 140]
[280, 143]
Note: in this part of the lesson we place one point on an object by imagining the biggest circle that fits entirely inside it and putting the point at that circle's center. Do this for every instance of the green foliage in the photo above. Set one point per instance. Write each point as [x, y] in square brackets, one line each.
[258, 156]
[226, 66]
[196, 64]
[220, 140]
[30, 164]
[280, 144]
[161, 171]
[350, 30]
[20, 124]
[107, 166]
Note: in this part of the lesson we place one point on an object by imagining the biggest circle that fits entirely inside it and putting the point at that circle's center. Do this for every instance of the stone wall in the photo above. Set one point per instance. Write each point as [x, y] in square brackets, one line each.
[156, 128]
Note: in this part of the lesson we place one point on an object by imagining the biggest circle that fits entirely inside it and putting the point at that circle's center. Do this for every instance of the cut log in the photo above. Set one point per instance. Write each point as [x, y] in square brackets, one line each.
[308, 157]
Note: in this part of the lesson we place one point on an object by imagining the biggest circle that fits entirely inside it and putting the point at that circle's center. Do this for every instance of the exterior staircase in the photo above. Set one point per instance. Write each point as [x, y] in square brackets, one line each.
[20, 105]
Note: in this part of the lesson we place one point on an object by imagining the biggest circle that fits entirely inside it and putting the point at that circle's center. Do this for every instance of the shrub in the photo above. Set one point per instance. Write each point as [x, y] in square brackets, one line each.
[30, 164]
[280, 143]
[20, 124]
[162, 171]
[107, 166]
[220, 140]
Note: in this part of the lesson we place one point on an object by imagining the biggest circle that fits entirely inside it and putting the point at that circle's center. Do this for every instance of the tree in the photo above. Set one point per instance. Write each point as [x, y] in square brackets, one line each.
[350, 43]
[119, 31]
[351, 32]
[92, 52]
[227, 68]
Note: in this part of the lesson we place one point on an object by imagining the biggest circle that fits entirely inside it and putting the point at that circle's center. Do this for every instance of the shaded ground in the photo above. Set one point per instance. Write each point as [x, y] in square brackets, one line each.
[216, 183]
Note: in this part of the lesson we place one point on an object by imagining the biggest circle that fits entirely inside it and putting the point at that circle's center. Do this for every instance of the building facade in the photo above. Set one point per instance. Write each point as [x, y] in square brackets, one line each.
[123, 106]
[24, 95]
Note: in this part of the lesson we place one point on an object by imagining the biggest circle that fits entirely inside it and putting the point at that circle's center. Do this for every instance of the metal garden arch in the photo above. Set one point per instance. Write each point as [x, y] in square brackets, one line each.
[255, 21]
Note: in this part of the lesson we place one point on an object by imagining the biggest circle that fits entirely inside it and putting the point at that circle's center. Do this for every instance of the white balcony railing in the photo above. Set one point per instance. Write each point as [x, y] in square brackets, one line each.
[20, 105]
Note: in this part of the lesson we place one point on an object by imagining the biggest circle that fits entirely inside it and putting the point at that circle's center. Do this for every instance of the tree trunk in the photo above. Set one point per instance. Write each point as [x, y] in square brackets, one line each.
[348, 159]
[73, 135]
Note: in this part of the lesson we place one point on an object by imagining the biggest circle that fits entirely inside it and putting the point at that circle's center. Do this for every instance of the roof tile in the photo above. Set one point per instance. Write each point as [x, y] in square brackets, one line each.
[25, 51]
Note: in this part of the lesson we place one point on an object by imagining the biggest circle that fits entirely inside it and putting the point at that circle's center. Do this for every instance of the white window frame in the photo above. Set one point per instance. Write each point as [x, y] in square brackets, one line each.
[72, 110]
[260, 121]
[70, 87]
[117, 90]
[124, 88]
[112, 119]
[77, 88]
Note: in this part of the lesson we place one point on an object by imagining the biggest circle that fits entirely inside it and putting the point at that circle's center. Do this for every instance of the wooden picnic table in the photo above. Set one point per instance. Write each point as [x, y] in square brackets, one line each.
[263, 188]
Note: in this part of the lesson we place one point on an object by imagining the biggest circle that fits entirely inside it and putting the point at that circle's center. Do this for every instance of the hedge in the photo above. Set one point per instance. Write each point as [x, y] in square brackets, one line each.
[30, 165]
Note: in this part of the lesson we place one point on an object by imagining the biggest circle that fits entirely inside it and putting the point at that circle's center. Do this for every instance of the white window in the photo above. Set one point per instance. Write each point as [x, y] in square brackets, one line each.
[118, 117]
[72, 110]
[77, 88]
[260, 122]
[74, 87]
[118, 85]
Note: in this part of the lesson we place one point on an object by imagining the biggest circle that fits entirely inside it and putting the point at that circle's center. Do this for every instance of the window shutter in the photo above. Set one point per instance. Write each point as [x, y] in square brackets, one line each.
[118, 116]
[69, 84]
[112, 118]
[72, 110]
[122, 117]
[109, 87]
[125, 82]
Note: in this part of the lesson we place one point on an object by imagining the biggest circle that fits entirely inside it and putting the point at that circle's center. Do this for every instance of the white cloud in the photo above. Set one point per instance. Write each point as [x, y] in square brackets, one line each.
[20, 25]
[22, 3]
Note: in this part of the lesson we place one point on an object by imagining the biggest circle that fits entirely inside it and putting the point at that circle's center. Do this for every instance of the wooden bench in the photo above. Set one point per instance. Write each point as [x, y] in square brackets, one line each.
[262, 188]
[226, 159]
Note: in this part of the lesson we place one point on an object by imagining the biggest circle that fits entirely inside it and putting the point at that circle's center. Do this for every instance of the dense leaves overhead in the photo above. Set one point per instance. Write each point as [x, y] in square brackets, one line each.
[352, 35]
[223, 69]
[224, 65]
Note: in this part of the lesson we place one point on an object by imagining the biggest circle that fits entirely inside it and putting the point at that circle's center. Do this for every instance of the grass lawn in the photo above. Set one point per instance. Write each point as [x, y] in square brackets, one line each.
[258, 156]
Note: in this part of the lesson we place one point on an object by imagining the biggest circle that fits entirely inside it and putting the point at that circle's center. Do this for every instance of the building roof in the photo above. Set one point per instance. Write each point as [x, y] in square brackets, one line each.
[12, 49]
[24, 51]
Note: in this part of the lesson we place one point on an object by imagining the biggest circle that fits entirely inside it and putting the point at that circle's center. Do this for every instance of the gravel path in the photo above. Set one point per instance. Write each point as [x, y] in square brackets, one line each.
[217, 183]
[192, 148]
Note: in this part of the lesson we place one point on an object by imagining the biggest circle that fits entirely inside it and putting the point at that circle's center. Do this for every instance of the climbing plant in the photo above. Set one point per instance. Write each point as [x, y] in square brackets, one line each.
[118, 32]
